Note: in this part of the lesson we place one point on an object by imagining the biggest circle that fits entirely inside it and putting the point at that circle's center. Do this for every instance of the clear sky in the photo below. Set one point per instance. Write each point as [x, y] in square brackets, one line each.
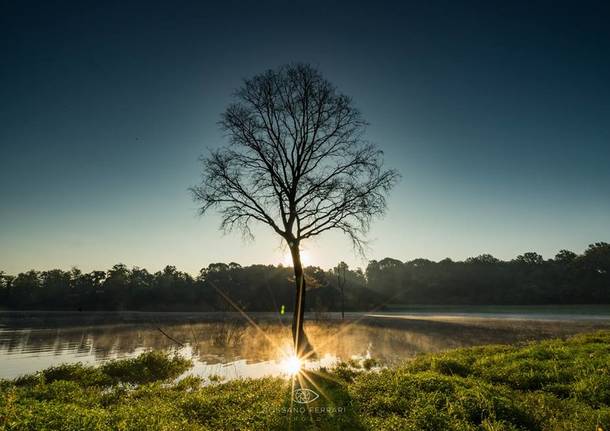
[497, 115]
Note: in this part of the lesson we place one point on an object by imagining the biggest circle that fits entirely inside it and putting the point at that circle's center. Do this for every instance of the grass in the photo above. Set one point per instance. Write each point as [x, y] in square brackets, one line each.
[550, 385]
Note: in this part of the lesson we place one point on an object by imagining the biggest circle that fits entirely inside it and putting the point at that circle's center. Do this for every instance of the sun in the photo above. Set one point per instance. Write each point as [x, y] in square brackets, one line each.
[305, 258]
[291, 365]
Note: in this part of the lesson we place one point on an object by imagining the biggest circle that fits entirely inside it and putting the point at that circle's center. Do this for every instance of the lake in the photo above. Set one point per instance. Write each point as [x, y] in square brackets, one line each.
[230, 345]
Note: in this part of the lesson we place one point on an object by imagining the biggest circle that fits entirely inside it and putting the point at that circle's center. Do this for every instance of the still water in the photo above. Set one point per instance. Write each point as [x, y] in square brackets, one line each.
[230, 346]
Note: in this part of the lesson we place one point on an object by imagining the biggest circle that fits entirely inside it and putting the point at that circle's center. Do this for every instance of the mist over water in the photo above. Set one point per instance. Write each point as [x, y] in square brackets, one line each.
[229, 346]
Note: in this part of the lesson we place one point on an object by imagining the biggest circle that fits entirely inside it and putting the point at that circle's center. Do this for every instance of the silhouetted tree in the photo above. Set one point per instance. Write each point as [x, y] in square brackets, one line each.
[297, 161]
[529, 258]
[565, 257]
[340, 271]
[597, 257]
[483, 259]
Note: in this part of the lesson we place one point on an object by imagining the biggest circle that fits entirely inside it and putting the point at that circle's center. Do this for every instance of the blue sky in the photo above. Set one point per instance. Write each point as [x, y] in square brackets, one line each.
[497, 117]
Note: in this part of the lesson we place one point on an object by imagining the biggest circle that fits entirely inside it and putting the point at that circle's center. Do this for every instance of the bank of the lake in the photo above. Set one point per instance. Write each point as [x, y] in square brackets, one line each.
[561, 384]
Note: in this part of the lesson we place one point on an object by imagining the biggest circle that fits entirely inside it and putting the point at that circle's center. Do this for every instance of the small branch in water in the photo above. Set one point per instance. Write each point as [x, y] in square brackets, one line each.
[171, 338]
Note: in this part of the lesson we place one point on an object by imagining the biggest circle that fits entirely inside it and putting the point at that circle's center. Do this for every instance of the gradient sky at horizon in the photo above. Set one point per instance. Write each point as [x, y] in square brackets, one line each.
[496, 115]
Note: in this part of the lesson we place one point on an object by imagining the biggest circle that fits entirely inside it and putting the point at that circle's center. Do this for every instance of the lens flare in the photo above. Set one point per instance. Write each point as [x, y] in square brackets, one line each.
[291, 365]
[305, 258]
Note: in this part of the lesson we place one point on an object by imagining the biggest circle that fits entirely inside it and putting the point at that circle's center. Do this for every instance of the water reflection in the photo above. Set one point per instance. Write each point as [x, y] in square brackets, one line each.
[232, 348]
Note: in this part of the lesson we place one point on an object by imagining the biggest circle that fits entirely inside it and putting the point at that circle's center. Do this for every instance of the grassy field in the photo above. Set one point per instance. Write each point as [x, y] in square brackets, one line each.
[549, 385]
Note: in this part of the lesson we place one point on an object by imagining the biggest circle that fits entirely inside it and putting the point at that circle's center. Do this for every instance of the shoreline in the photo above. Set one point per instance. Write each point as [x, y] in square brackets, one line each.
[552, 385]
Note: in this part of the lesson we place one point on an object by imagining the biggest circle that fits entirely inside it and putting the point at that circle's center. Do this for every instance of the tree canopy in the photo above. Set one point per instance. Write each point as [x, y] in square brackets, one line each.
[296, 160]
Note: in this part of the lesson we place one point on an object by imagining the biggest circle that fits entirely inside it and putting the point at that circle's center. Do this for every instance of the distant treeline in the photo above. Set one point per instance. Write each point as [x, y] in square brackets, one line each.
[568, 278]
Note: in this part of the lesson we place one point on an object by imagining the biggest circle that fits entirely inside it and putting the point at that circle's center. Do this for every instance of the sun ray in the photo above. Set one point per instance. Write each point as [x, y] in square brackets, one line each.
[301, 377]
[322, 392]
[296, 363]
[245, 315]
[291, 403]
[326, 376]
[345, 327]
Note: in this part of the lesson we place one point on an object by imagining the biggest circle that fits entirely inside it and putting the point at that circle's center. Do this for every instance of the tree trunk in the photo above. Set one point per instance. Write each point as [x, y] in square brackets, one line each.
[341, 283]
[301, 344]
[342, 303]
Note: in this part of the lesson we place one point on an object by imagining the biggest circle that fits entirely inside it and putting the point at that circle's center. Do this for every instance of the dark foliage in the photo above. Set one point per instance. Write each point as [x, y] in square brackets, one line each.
[528, 279]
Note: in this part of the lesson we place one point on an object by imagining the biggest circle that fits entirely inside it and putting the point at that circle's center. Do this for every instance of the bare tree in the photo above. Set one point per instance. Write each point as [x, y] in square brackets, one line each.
[298, 162]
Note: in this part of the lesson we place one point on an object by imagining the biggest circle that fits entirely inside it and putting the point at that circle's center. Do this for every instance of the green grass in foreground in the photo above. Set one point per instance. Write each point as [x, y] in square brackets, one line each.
[549, 385]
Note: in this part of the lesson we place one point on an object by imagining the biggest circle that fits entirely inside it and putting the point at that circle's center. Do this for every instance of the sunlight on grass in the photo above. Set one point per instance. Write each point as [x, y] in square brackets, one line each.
[550, 385]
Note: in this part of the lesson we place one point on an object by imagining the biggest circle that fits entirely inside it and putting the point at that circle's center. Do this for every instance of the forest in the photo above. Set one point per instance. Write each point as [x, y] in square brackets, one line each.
[568, 278]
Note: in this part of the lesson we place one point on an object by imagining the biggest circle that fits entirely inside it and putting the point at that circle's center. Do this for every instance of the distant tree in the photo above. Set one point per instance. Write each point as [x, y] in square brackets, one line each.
[5, 284]
[389, 263]
[215, 268]
[340, 272]
[53, 284]
[27, 287]
[597, 257]
[140, 278]
[565, 257]
[596, 263]
[419, 262]
[27, 280]
[118, 275]
[529, 258]
[115, 286]
[5, 280]
[384, 276]
[297, 162]
[97, 279]
[483, 259]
